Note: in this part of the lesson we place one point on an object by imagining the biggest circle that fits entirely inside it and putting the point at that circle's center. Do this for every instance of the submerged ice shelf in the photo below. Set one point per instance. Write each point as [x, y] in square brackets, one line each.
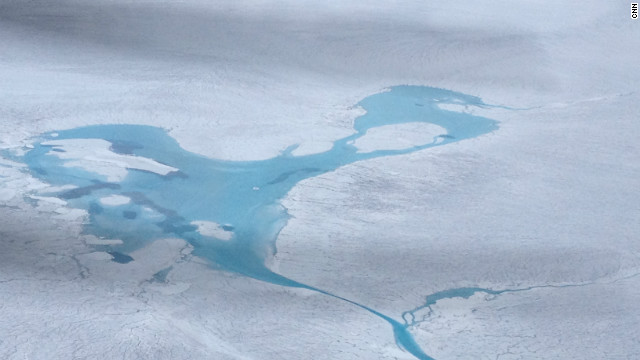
[138, 185]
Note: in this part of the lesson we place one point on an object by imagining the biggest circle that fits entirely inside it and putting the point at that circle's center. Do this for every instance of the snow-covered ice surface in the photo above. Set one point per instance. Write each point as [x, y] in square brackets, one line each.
[535, 225]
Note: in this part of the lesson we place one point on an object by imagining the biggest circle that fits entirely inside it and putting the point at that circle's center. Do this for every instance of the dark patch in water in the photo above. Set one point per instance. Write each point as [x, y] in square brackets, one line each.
[95, 209]
[166, 177]
[120, 258]
[58, 150]
[124, 147]
[286, 175]
[86, 190]
[176, 175]
[40, 171]
[127, 214]
[227, 227]
[176, 225]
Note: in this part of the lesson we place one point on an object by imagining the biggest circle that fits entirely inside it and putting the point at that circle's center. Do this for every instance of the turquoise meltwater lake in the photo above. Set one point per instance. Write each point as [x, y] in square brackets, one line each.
[238, 200]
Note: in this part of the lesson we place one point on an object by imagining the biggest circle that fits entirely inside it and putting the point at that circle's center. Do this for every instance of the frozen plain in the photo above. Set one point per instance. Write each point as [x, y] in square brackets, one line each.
[546, 203]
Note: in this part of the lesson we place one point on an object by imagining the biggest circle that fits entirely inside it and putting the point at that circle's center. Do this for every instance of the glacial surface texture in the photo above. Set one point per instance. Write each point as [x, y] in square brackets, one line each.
[235, 180]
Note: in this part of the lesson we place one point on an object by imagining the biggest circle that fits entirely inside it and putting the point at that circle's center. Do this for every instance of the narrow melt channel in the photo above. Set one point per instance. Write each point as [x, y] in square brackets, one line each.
[138, 184]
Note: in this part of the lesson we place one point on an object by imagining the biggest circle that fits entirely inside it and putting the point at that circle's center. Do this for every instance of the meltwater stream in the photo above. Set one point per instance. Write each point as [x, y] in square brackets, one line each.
[138, 184]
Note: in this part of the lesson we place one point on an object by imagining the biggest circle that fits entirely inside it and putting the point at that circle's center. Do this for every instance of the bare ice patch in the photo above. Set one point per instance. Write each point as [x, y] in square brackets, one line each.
[312, 147]
[455, 107]
[69, 214]
[398, 136]
[213, 229]
[115, 200]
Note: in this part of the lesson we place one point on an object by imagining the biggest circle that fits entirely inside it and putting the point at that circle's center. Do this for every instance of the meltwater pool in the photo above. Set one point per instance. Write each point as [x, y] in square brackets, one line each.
[138, 184]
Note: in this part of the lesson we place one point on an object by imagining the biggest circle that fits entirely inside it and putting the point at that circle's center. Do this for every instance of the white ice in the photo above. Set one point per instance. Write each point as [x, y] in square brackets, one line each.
[94, 155]
[398, 136]
[210, 228]
[115, 200]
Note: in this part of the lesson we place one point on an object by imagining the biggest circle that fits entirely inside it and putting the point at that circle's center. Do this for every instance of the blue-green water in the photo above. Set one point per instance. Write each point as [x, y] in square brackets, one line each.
[243, 196]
